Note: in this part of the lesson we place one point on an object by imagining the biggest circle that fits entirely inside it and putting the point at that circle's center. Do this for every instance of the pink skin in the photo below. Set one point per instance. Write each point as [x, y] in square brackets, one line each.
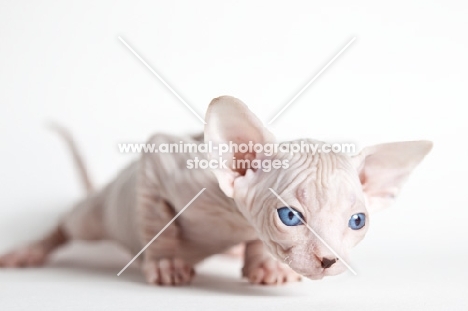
[237, 206]
[326, 188]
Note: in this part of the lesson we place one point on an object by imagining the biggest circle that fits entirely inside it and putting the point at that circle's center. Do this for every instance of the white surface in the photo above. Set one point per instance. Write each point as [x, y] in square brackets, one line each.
[75, 281]
[404, 78]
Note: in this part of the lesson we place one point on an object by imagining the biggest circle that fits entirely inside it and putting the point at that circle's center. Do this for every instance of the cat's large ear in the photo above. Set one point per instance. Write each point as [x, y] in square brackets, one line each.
[384, 168]
[229, 122]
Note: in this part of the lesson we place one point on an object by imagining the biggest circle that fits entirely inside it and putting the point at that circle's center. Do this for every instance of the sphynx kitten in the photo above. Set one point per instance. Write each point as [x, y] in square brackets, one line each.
[333, 193]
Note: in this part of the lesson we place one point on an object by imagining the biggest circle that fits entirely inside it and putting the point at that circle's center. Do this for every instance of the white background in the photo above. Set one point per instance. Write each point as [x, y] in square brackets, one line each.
[404, 78]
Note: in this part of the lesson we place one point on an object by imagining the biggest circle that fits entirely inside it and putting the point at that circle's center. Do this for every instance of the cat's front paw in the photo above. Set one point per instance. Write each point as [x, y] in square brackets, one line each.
[270, 272]
[167, 271]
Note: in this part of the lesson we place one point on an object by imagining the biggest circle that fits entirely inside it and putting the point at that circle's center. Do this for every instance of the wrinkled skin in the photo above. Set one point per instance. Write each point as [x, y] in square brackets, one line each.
[326, 199]
[327, 188]
[237, 205]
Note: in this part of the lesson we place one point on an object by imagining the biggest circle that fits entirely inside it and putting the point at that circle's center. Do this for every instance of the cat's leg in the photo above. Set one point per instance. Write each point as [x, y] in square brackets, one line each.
[261, 268]
[83, 223]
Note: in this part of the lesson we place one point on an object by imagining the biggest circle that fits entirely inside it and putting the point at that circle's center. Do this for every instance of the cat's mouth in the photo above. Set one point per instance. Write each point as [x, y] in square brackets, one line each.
[319, 273]
[315, 276]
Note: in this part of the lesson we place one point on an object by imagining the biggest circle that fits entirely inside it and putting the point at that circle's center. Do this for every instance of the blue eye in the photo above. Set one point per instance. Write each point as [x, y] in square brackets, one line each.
[357, 221]
[289, 216]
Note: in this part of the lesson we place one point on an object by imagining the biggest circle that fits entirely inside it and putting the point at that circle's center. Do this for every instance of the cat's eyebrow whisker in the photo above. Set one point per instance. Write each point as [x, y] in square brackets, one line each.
[315, 233]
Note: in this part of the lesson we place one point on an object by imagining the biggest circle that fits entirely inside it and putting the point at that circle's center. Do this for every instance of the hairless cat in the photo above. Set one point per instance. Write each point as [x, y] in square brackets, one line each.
[328, 197]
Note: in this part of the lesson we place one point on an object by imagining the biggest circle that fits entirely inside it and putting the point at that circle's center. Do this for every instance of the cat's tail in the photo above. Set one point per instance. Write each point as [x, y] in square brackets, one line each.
[77, 158]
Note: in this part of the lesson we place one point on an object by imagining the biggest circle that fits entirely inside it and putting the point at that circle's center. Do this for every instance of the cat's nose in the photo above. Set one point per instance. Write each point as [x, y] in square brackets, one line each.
[327, 263]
